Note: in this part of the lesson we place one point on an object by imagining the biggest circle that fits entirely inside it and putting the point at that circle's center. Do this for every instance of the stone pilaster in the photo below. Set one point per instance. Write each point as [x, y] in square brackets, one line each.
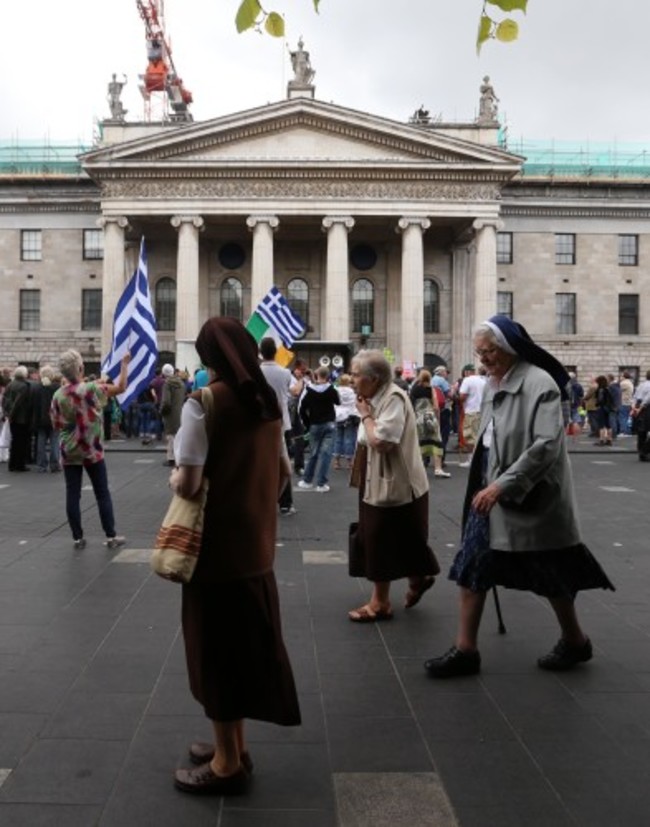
[262, 227]
[336, 296]
[114, 273]
[187, 289]
[412, 322]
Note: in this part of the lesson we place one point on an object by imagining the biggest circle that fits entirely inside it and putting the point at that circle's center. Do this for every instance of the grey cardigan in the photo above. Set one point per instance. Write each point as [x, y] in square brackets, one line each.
[528, 460]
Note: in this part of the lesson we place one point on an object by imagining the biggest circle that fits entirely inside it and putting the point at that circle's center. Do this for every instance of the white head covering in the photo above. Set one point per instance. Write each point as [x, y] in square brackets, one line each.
[501, 339]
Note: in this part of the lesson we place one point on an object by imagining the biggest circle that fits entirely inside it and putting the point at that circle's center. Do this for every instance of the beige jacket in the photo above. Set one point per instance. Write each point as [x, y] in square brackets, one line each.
[398, 476]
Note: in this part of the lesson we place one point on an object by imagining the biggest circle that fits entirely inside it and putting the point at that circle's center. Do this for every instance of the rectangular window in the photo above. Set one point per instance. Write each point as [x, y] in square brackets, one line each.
[31, 245]
[93, 245]
[628, 314]
[504, 248]
[30, 309]
[91, 309]
[504, 303]
[565, 248]
[565, 312]
[628, 250]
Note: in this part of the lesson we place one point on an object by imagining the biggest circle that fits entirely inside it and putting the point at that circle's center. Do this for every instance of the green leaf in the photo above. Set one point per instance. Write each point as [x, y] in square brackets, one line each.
[510, 5]
[247, 14]
[274, 24]
[507, 30]
[484, 31]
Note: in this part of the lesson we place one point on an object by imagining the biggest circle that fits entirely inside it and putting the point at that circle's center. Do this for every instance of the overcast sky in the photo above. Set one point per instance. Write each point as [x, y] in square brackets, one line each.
[580, 69]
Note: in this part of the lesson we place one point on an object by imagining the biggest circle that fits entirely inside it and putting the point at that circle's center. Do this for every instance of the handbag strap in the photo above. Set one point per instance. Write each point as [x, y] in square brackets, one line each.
[207, 403]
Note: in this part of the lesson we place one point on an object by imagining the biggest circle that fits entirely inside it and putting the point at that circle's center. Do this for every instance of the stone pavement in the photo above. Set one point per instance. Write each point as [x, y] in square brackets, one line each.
[95, 712]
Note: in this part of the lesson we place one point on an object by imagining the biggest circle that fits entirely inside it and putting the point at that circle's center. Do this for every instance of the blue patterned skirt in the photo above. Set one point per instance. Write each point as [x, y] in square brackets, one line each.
[556, 573]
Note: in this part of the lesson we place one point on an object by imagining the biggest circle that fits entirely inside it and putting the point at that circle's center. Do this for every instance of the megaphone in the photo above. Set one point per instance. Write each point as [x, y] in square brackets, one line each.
[337, 361]
[324, 361]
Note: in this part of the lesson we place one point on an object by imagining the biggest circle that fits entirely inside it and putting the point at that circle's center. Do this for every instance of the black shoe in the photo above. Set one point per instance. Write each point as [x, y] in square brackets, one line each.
[563, 656]
[453, 664]
[202, 781]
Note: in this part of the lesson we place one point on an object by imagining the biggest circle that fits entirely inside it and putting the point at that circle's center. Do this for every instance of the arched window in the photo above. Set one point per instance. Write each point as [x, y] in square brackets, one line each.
[363, 306]
[166, 304]
[431, 306]
[231, 299]
[298, 298]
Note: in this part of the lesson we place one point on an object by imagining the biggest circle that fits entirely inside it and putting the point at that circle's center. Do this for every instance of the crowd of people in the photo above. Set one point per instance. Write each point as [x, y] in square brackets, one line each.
[387, 431]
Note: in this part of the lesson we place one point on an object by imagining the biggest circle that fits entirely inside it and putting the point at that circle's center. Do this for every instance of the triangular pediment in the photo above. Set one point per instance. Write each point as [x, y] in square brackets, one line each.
[304, 132]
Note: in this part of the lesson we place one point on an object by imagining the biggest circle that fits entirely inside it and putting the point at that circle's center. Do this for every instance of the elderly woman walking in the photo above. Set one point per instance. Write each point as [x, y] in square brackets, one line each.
[391, 541]
[520, 525]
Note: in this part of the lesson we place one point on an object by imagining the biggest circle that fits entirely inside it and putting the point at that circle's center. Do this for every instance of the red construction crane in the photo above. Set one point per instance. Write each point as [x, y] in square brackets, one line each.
[161, 78]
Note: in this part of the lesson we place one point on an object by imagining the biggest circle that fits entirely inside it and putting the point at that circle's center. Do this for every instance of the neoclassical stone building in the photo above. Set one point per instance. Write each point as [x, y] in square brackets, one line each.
[392, 235]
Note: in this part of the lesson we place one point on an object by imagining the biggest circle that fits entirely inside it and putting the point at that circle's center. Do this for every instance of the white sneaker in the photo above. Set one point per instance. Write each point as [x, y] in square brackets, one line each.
[441, 474]
[306, 486]
[287, 511]
[322, 489]
[464, 464]
[115, 542]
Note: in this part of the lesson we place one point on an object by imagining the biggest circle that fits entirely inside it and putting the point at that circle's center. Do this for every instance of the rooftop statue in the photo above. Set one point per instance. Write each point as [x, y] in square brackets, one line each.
[488, 105]
[421, 115]
[114, 92]
[303, 74]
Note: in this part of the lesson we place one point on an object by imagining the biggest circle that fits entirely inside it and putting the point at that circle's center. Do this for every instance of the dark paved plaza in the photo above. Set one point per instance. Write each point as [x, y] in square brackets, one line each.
[95, 711]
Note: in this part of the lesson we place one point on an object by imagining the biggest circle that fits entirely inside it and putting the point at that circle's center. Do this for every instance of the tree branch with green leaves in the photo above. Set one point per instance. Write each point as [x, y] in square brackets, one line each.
[492, 24]
[251, 15]
[505, 29]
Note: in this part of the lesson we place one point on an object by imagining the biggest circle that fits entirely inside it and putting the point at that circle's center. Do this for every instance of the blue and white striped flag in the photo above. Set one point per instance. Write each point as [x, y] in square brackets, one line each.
[134, 329]
[277, 313]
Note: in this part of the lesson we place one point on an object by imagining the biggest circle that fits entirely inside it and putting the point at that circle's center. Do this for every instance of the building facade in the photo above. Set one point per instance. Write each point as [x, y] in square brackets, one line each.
[380, 234]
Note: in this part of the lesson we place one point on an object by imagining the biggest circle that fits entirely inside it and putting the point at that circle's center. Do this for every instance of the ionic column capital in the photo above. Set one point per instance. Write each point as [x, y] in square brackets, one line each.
[331, 220]
[405, 222]
[120, 220]
[196, 220]
[254, 220]
[481, 223]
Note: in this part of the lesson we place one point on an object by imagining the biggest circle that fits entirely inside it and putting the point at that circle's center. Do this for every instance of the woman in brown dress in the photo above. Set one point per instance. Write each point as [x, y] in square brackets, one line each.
[237, 662]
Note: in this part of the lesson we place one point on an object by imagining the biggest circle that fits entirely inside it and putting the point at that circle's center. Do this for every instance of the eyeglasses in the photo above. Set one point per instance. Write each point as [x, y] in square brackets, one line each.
[485, 351]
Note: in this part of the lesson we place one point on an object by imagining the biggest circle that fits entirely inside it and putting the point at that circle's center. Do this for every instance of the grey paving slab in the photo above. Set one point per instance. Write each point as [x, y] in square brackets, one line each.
[376, 745]
[65, 771]
[93, 681]
[50, 815]
[278, 818]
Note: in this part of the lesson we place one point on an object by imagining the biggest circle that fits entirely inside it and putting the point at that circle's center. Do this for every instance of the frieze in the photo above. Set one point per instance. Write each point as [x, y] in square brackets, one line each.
[21, 208]
[286, 189]
[588, 211]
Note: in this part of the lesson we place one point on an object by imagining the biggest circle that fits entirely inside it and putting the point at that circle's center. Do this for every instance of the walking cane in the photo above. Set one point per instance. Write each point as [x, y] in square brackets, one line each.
[497, 606]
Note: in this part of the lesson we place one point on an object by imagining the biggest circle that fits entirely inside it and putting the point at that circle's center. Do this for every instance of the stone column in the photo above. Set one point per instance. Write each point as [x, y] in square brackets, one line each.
[114, 274]
[411, 345]
[485, 269]
[187, 289]
[461, 313]
[262, 227]
[336, 297]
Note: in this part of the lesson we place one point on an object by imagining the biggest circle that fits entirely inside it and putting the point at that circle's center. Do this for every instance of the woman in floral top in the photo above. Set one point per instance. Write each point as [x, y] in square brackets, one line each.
[77, 414]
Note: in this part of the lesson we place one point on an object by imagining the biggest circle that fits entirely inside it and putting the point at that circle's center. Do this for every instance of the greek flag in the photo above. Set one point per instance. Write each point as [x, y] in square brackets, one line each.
[277, 313]
[134, 329]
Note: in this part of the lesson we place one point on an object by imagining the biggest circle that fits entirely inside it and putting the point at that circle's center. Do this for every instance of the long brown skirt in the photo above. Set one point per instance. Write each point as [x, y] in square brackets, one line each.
[237, 662]
[393, 542]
